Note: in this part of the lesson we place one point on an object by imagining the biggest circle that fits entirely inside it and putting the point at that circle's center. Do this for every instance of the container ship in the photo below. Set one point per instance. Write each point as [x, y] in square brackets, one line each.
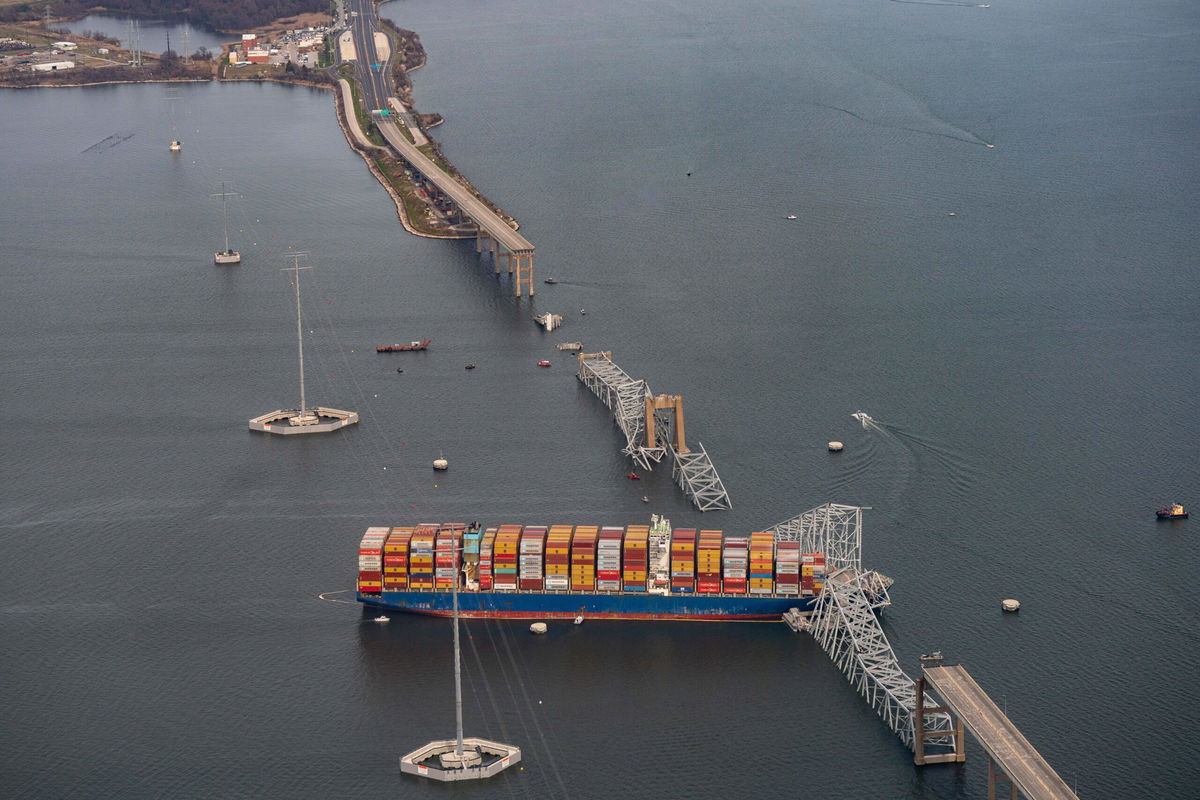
[637, 572]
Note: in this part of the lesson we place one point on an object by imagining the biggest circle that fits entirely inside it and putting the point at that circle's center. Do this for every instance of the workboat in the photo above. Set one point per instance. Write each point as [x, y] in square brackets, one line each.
[175, 146]
[1175, 511]
[572, 572]
[402, 348]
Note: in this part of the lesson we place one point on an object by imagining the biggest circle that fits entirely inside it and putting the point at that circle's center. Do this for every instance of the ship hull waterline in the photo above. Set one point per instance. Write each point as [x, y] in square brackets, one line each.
[548, 605]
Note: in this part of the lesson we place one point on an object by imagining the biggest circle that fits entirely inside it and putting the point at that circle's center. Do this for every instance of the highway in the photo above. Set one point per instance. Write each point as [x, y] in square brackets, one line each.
[377, 88]
[1019, 760]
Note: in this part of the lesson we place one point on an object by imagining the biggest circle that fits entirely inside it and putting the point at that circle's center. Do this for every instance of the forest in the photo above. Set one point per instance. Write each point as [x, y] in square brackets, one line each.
[219, 15]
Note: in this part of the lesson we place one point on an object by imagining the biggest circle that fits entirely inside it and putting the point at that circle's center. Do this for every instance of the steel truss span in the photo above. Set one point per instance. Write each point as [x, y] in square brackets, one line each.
[846, 624]
[630, 399]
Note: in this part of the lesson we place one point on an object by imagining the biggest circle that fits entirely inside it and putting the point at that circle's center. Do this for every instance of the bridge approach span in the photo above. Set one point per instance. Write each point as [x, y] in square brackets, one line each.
[1023, 765]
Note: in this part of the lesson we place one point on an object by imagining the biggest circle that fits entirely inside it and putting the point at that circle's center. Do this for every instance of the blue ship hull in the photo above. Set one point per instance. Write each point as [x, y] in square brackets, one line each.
[631, 606]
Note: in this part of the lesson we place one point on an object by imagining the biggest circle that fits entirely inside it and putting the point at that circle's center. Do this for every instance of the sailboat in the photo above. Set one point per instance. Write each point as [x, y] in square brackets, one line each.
[228, 255]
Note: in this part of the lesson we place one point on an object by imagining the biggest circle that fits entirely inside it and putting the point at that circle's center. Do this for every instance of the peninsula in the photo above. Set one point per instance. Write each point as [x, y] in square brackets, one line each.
[308, 48]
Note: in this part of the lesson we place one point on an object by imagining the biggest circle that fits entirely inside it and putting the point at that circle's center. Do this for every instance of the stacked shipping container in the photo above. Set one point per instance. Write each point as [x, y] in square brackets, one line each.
[395, 560]
[583, 559]
[683, 560]
[762, 558]
[558, 558]
[708, 562]
[504, 558]
[420, 557]
[533, 546]
[370, 560]
[633, 559]
[608, 560]
[812, 574]
[486, 546]
[787, 568]
[511, 558]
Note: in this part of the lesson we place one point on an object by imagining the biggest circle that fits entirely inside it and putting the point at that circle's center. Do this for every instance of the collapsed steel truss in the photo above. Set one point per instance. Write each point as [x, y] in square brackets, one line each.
[627, 398]
[832, 529]
[846, 625]
[698, 478]
[847, 628]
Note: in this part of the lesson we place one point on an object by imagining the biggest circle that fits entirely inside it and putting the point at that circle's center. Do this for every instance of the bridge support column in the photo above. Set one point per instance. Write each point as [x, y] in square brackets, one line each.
[995, 774]
[480, 235]
[524, 270]
[920, 712]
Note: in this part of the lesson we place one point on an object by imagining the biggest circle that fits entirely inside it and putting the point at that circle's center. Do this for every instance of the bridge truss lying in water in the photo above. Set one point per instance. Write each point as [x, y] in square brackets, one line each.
[845, 623]
[653, 428]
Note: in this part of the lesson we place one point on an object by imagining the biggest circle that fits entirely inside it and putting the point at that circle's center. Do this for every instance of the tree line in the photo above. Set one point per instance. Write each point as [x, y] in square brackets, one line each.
[219, 15]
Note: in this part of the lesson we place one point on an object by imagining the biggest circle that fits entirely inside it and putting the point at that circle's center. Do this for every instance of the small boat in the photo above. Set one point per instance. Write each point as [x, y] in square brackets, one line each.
[790, 216]
[382, 619]
[543, 363]
[579, 620]
[537, 627]
[470, 366]
[550, 281]
[583, 311]
[1176, 511]
[176, 146]
[441, 464]
[645, 499]
[633, 476]
[402, 348]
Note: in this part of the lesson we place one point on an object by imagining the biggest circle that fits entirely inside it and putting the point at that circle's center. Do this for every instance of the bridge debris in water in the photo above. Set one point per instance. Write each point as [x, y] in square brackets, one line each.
[653, 427]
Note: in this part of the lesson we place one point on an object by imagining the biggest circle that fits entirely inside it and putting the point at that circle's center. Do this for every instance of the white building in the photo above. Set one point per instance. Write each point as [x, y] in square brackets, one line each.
[50, 66]
[65, 45]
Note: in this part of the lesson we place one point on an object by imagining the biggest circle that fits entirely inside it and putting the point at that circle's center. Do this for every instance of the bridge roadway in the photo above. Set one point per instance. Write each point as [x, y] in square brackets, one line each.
[1004, 744]
[377, 92]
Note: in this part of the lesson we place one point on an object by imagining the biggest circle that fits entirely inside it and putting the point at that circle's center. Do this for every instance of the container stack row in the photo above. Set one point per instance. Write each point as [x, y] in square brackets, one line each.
[812, 573]
[395, 559]
[558, 558]
[608, 559]
[420, 557]
[446, 556]
[512, 558]
[683, 560]
[787, 567]
[505, 558]
[634, 569]
[735, 558]
[708, 562]
[533, 547]
[762, 560]
[370, 560]
[583, 558]
[486, 558]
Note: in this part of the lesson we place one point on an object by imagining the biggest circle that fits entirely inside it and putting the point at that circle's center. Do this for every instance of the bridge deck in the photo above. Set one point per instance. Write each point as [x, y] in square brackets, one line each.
[468, 203]
[1023, 764]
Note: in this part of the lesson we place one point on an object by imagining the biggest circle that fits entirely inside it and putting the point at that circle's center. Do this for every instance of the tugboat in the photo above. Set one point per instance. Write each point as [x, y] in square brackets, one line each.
[1176, 511]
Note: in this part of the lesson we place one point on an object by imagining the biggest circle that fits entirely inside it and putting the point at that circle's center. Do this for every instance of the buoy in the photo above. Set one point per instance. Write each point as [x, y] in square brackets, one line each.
[537, 627]
[835, 447]
[1011, 605]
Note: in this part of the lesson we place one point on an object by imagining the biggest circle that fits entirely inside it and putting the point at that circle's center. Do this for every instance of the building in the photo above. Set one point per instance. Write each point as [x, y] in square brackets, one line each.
[257, 55]
[50, 66]
[65, 45]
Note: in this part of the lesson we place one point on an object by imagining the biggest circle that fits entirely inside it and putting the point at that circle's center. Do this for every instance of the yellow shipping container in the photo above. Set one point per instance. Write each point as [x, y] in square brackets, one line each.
[395, 570]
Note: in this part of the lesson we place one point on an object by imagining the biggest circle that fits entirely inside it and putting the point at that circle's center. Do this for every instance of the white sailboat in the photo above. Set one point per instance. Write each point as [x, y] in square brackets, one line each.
[228, 255]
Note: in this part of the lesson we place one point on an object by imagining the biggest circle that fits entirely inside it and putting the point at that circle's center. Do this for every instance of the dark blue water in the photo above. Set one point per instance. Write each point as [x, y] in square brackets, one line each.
[1032, 361]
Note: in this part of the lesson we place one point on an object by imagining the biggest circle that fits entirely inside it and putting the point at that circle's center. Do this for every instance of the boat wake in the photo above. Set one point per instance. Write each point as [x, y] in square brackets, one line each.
[926, 456]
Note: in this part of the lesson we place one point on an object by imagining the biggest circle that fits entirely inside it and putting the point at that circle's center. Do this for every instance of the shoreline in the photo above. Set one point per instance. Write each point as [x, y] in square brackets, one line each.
[407, 46]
